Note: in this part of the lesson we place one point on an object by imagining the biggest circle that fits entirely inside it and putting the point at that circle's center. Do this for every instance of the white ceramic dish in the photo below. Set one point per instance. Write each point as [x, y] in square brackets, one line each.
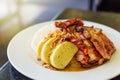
[23, 57]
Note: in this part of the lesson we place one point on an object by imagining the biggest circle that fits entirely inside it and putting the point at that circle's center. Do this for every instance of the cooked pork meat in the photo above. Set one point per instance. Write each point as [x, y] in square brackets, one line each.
[102, 44]
[101, 47]
[69, 22]
[94, 47]
[87, 54]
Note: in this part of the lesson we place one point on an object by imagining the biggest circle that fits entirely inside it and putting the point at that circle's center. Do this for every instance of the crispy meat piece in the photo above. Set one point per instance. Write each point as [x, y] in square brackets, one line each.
[94, 47]
[102, 44]
[82, 59]
[87, 54]
[70, 22]
[89, 60]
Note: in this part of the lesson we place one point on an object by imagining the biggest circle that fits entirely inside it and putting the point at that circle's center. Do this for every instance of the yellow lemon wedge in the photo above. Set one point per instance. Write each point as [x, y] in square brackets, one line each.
[62, 54]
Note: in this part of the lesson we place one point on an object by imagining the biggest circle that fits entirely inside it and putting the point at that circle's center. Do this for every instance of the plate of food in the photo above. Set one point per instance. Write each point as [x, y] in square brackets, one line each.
[71, 49]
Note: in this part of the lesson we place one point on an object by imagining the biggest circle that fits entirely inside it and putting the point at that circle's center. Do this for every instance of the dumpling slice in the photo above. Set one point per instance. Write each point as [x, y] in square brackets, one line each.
[39, 49]
[62, 54]
[47, 50]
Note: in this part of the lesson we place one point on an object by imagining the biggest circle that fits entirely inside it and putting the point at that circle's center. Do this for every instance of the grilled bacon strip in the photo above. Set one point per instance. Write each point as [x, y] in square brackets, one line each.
[70, 22]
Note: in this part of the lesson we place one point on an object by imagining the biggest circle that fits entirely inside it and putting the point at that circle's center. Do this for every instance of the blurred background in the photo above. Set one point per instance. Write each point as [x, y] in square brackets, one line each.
[16, 15]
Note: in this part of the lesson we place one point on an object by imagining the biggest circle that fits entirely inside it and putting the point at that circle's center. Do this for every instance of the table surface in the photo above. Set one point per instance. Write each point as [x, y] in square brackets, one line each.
[109, 19]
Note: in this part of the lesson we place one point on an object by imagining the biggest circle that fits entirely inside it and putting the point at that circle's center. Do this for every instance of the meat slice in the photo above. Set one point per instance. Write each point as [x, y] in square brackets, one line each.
[83, 59]
[69, 22]
[102, 44]
[88, 56]
[98, 48]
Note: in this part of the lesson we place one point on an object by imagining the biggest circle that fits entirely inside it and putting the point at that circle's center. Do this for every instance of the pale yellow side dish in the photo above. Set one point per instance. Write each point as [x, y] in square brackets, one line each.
[62, 54]
[47, 50]
[39, 49]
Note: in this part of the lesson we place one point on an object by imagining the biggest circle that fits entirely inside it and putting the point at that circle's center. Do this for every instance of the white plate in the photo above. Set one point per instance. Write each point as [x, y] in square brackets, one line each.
[23, 57]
